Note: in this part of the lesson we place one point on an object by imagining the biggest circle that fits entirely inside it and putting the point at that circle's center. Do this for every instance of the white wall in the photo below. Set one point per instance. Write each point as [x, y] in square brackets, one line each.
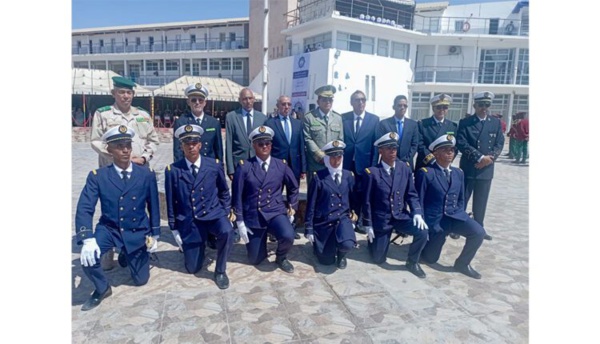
[391, 79]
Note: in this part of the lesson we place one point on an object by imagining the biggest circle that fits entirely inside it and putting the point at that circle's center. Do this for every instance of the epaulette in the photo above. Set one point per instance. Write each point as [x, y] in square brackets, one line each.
[284, 161]
[104, 108]
[141, 108]
[94, 172]
[367, 170]
[428, 158]
[241, 162]
[424, 169]
[169, 167]
[217, 160]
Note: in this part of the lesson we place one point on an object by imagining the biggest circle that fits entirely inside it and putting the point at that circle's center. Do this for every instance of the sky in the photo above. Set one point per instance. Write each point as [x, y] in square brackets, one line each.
[104, 13]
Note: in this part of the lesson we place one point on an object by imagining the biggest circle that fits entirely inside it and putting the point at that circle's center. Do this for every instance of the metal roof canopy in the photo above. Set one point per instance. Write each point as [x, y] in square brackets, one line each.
[98, 82]
[218, 88]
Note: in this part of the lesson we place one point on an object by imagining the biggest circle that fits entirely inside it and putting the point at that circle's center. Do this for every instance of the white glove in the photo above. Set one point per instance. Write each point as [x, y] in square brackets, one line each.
[370, 233]
[154, 247]
[419, 222]
[310, 238]
[291, 217]
[89, 252]
[243, 231]
[177, 237]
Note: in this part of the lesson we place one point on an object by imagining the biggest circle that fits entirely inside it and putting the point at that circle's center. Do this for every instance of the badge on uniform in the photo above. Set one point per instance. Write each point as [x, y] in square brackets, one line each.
[210, 129]
[141, 119]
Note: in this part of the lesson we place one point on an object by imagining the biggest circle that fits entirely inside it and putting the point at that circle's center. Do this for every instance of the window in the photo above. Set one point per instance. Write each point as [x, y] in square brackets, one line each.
[400, 50]
[356, 43]
[101, 42]
[193, 38]
[521, 103]
[496, 66]
[172, 65]
[500, 104]
[203, 64]
[323, 40]
[232, 36]
[138, 41]
[523, 67]
[225, 64]
[458, 25]
[195, 68]
[382, 47]
[222, 37]
[459, 107]
[215, 64]
[186, 67]
[78, 44]
[238, 64]
[152, 66]
[151, 40]
[126, 42]
[420, 107]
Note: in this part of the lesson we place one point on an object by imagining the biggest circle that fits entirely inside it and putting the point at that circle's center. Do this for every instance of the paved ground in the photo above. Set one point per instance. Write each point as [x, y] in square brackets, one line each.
[365, 303]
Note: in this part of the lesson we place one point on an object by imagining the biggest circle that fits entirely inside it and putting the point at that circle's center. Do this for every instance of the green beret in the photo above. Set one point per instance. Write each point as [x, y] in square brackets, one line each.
[119, 81]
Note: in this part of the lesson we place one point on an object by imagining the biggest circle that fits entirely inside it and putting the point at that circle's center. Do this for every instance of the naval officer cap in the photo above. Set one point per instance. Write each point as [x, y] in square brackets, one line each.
[189, 133]
[326, 91]
[196, 89]
[443, 141]
[440, 99]
[261, 133]
[388, 140]
[483, 97]
[334, 148]
[118, 134]
[121, 82]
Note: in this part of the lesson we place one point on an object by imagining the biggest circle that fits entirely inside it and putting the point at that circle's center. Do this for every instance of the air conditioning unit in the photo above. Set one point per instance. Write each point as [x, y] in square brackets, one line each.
[454, 50]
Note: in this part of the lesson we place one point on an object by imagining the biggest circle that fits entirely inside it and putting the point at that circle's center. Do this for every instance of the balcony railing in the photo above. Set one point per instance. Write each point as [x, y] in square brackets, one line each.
[469, 25]
[146, 46]
[466, 75]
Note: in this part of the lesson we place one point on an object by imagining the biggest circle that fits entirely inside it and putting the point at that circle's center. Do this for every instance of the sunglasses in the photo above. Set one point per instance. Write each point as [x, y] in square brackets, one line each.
[263, 143]
[197, 100]
[442, 107]
[326, 99]
[402, 105]
[285, 104]
[484, 104]
[361, 100]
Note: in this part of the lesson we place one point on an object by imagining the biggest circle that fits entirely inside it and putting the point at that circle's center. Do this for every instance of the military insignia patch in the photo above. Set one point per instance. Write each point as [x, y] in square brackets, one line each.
[122, 129]
[262, 129]
[188, 128]
[198, 85]
[393, 136]
[336, 143]
[449, 137]
[367, 170]
[423, 169]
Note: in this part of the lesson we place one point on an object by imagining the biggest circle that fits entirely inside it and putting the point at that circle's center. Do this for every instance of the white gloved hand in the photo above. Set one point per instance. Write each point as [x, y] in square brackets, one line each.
[89, 252]
[419, 222]
[370, 233]
[154, 245]
[177, 237]
[310, 238]
[243, 230]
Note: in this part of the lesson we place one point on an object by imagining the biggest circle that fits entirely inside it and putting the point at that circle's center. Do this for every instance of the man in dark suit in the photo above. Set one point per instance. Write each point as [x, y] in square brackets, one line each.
[433, 127]
[198, 203]
[238, 126]
[390, 191]
[328, 210]
[288, 142]
[441, 191]
[212, 143]
[126, 191]
[480, 140]
[258, 202]
[360, 134]
[406, 128]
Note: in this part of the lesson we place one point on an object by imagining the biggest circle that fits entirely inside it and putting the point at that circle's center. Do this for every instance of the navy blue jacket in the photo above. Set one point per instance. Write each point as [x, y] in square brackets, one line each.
[123, 205]
[359, 148]
[386, 199]
[430, 131]
[205, 197]
[212, 143]
[475, 139]
[410, 137]
[293, 153]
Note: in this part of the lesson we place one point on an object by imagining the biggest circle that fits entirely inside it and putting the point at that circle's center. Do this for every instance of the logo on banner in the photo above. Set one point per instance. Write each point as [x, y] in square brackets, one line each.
[301, 62]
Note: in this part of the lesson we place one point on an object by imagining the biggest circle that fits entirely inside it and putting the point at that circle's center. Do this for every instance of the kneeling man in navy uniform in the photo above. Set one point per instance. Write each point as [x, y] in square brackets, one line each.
[126, 191]
[258, 201]
[329, 217]
[442, 195]
[390, 191]
[198, 204]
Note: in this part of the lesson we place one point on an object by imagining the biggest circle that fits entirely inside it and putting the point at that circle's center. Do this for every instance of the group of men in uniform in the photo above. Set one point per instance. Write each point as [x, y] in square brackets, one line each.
[359, 173]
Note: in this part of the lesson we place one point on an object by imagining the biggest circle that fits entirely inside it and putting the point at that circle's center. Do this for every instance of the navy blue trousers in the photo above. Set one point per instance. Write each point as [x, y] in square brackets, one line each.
[381, 243]
[281, 228]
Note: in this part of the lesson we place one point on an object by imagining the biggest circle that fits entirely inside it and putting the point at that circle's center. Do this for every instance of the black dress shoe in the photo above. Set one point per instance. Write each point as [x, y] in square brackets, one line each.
[415, 268]
[454, 236]
[285, 265]
[96, 299]
[122, 259]
[272, 238]
[236, 236]
[222, 281]
[467, 270]
[487, 237]
[297, 235]
[360, 230]
[342, 263]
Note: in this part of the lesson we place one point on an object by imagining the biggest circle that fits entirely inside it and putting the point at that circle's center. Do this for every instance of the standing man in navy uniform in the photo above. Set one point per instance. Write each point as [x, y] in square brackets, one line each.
[328, 223]
[433, 127]
[406, 128]
[198, 203]
[390, 191]
[441, 191]
[360, 128]
[480, 140]
[126, 191]
[258, 202]
[212, 143]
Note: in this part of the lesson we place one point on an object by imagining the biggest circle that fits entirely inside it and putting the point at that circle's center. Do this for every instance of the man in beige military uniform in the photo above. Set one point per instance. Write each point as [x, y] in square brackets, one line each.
[143, 145]
[320, 126]
[145, 142]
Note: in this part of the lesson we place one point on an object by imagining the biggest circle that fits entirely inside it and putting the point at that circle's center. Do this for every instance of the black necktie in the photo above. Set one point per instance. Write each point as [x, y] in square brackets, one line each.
[125, 178]
[391, 171]
[325, 119]
[198, 121]
[248, 123]
[264, 166]
[447, 173]
[194, 170]
[358, 119]
[337, 178]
